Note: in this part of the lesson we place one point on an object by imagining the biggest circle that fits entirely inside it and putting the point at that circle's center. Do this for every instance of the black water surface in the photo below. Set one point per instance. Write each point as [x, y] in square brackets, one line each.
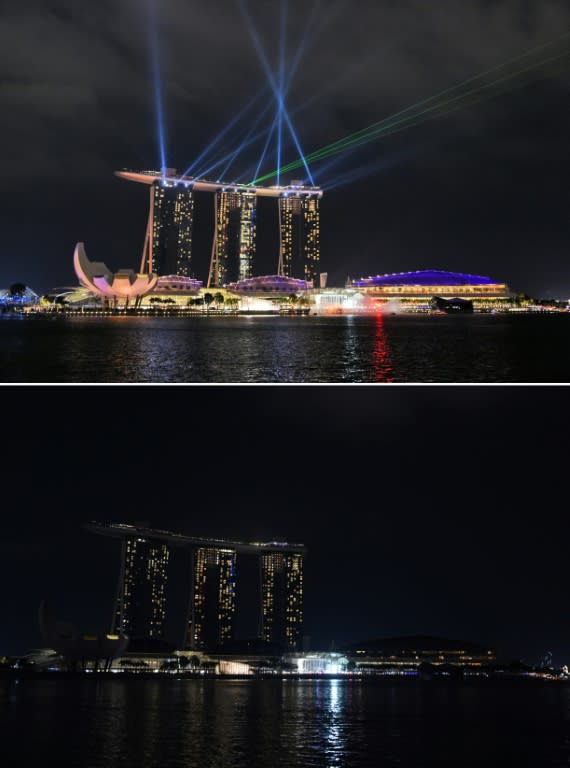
[296, 724]
[411, 348]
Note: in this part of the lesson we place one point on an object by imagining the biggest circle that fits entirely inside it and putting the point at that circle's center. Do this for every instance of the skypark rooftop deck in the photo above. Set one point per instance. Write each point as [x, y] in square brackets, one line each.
[203, 185]
[121, 531]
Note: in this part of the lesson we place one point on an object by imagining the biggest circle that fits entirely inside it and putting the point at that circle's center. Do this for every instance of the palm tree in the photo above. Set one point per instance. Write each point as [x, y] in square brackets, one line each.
[219, 298]
[208, 299]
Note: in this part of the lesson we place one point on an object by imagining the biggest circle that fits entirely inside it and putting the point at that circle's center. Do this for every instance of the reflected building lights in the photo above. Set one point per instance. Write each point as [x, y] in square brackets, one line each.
[383, 370]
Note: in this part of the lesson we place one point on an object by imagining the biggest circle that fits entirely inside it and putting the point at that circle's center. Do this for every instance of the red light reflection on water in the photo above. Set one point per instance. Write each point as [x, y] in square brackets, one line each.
[382, 365]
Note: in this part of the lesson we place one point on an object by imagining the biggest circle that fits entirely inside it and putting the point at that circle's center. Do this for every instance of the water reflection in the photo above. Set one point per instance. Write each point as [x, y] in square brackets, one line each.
[407, 348]
[383, 371]
[289, 724]
[334, 732]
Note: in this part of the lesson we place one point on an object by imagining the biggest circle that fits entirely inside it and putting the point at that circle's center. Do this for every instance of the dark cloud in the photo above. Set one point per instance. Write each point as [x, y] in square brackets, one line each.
[77, 102]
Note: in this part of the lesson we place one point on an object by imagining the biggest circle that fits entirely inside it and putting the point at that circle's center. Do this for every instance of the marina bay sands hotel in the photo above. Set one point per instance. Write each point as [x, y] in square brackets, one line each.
[141, 607]
[168, 242]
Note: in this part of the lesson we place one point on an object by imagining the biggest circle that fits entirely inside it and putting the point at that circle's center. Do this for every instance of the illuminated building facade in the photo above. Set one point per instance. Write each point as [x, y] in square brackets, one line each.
[300, 237]
[234, 246]
[214, 599]
[170, 228]
[282, 599]
[140, 610]
[416, 289]
[168, 242]
[98, 279]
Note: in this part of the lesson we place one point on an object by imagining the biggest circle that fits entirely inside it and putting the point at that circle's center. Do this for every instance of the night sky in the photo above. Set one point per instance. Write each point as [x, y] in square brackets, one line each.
[425, 510]
[483, 190]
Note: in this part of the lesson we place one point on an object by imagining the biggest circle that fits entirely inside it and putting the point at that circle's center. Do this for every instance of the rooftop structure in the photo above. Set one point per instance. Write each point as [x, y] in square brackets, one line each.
[121, 530]
[203, 185]
[429, 277]
[270, 284]
[172, 284]
[416, 289]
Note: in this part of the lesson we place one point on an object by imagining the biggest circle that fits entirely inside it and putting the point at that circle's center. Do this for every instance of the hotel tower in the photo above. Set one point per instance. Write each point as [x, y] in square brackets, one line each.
[300, 236]
[282, 599]
[233, 250]
[141, 608]
[168, 243]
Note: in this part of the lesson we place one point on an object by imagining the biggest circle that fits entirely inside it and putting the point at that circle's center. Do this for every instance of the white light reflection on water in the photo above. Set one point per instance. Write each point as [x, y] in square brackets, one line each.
[334, 732]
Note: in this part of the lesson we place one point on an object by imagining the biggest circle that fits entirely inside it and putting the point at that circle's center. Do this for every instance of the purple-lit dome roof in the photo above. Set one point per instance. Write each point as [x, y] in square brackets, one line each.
[424, 277]
[269, 284]
[177, 283]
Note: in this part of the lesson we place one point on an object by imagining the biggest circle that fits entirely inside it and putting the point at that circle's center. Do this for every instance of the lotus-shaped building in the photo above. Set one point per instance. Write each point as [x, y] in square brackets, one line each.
[123, 285]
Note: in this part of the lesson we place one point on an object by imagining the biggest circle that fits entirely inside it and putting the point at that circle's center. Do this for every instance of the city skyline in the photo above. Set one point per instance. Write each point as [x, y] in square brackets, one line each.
[303, 499]
[424, 510]
[404, 202]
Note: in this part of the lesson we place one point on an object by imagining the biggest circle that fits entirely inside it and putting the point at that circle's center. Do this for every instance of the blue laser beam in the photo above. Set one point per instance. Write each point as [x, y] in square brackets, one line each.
[369, 169]
[274, 85]
[231, 157]
[286, 87]
[267, 143]
[157, 84]
[249, 139]
[224, 132]
[243, 144]
[282, 55]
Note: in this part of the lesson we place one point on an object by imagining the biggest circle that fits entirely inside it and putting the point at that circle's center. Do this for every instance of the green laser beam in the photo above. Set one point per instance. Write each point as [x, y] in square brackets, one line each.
[413, 122]
[388, 122]
[376, 130]
[365, 139]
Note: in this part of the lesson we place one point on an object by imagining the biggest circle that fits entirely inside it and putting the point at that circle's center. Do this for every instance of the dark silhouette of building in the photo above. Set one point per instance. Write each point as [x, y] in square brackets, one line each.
[282, 599]
[212, 612]
[78, 647]
[417, 649]
[141, 609]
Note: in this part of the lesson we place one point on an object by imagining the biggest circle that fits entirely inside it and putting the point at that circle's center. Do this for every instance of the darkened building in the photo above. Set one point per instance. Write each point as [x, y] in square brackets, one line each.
[282, 599]
[213, 608]
[411, 651]
[141, 605]
[140, 610]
